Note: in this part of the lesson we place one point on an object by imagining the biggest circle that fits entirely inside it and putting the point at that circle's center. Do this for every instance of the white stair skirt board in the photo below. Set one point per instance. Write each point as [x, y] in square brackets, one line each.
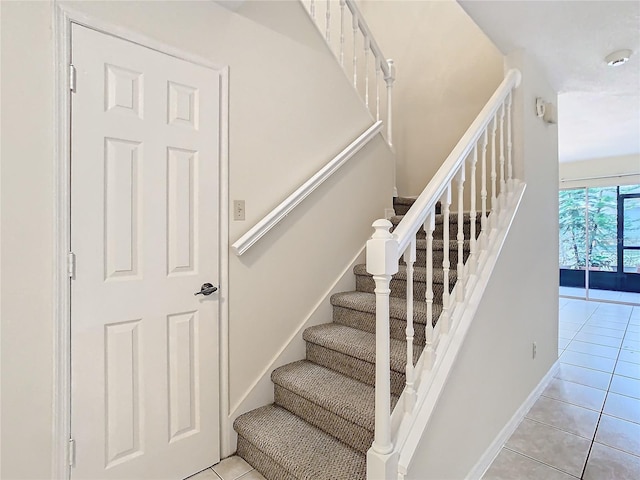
[431, 386]
[492, 452]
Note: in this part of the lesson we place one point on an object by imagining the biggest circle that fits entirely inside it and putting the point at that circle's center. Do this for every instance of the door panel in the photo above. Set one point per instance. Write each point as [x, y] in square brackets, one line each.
[144, 210]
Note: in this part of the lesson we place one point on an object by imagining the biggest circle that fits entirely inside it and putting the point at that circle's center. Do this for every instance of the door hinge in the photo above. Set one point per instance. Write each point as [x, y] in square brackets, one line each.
[71, 265]
[71, 453]
[72, 78]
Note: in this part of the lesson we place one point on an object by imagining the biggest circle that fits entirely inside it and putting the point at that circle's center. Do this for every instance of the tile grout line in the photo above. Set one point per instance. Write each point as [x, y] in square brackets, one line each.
[558, 428]
[586, 317]
[538, 461]
[595, 432]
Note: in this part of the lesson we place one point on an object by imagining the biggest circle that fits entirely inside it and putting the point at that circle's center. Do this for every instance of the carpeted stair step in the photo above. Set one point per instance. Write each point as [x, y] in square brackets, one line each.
[438, 252]
[282, 446]
[398, 284]
[401, 205]
[338, 405]
[358, 310]
[352, 352]
[453, 226]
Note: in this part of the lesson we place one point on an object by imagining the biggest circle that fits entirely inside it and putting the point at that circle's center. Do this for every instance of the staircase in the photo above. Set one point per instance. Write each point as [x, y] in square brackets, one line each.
[322, 422]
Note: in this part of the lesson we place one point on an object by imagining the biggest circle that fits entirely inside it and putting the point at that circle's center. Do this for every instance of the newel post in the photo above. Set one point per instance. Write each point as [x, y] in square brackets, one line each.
[389, 78]
[382, 263]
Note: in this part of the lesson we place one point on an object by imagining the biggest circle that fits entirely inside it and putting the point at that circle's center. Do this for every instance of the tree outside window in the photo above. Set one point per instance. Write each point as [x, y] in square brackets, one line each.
[602, 224]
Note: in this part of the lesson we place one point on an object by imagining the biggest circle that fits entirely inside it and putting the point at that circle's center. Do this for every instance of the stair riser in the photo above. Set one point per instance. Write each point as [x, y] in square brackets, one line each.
[399, 288]
[353, 367]
[367, 322]
[402, 208]
[261, 462]
[355, 436]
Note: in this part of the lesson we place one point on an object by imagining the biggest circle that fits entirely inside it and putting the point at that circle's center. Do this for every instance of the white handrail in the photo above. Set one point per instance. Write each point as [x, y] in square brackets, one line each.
[273, 218]
[385, 249]
[366, 31]
[381, 64]
[416, 217]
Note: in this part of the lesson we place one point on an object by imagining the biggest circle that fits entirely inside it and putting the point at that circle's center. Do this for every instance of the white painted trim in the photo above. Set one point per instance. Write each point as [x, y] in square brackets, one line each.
[278, 213]
[294, 349]
[366, 33]
[431, 386]
[493, 450]
[63, 17]
[81, 18]
[224, 287]
[61, 428]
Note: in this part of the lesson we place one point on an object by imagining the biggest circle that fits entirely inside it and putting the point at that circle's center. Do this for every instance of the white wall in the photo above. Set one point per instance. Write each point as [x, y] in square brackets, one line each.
[495, 372]
[446, 71]
[27, 239]
[291, 110]
[601, 172]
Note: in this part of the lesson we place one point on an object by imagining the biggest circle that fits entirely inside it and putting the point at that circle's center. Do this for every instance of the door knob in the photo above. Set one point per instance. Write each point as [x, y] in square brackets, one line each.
[206, 289]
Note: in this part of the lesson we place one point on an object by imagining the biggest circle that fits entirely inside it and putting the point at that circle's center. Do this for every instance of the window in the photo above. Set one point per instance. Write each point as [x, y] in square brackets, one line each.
[600, 227]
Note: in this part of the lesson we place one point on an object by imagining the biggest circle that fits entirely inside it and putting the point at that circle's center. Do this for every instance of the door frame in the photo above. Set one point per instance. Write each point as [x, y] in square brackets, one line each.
[64, 17]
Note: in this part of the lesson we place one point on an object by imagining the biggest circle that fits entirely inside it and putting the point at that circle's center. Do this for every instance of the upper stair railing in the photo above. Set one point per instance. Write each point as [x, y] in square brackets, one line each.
[350, 39]
[487, 141]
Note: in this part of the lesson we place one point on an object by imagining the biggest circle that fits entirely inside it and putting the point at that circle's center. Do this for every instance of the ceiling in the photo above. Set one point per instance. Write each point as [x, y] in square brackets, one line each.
[598, 105]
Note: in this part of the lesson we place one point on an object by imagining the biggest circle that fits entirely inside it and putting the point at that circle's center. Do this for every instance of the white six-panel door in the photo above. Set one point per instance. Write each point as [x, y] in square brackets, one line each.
[144, 229]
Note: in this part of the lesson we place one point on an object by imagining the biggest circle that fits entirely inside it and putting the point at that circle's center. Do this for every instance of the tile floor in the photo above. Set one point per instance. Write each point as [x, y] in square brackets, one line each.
[232, 468]
[586, 423]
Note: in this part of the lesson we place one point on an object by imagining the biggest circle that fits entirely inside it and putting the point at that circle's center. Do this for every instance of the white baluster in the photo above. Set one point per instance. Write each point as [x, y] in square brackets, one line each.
[503, 183]
[509, 146]
[355, 55]
[382, 263]
[472, 215]
[429, 351]
[378, 69]
[483, 190]
[367, 48]
[312, 9]
[327, 34]
[390, 79]
[342, 4]
[410, 392]
[445, 202]
[494, 176]
[461, 279]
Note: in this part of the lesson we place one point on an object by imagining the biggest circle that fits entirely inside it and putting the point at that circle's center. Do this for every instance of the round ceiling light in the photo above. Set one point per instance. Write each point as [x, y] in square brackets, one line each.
[618, 58]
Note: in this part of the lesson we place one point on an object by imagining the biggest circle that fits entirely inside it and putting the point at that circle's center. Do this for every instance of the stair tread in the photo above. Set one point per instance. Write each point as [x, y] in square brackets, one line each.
[304, 451]
[357, 344]
[342, 395]
[419, 273]
[366, 302]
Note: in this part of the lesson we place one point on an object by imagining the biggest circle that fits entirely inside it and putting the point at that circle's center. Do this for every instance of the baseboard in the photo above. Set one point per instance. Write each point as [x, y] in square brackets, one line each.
[492, 452]
[261, 391]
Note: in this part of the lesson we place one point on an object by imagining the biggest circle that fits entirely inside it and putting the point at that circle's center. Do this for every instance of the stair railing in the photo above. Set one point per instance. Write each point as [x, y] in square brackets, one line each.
[487, 141]
[355, 40]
